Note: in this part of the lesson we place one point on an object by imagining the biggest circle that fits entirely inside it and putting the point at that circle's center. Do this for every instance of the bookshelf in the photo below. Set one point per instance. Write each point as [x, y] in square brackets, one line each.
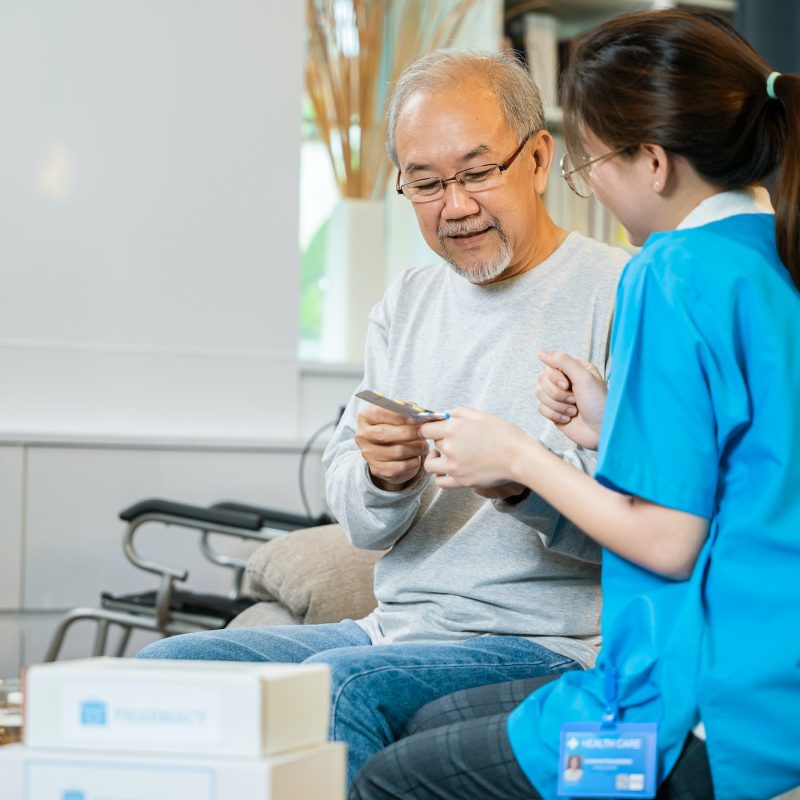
[539, 31]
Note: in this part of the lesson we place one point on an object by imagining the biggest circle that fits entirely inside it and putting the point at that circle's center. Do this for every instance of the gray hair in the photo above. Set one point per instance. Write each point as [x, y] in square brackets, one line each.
[511, 83]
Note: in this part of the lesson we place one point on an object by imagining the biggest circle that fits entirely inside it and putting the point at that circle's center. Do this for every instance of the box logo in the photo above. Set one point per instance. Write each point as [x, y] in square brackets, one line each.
[133, 713]
[93, 712]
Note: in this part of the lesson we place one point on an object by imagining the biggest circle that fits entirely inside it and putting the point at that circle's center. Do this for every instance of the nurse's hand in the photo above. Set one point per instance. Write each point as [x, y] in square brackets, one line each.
[473, 449]
[572, 394]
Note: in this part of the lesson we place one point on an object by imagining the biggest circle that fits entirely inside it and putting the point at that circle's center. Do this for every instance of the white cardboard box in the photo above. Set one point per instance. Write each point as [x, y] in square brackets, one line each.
[315, 773]
[199, 707]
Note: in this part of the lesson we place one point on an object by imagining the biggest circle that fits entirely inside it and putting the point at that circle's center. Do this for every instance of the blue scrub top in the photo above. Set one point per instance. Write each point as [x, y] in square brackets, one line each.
[703, 416]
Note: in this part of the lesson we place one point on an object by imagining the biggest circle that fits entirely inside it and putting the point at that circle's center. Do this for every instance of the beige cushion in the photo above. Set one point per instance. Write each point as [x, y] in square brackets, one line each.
[267, 612]
[315, 573]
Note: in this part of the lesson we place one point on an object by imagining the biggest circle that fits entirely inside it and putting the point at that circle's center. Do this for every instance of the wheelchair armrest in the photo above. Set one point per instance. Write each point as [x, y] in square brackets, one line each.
[207, 520]
[272, 518]
[229, 517]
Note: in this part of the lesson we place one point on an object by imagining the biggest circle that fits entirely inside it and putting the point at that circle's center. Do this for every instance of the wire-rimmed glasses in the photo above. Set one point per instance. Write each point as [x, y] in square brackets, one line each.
[578, 177]
[472, 179]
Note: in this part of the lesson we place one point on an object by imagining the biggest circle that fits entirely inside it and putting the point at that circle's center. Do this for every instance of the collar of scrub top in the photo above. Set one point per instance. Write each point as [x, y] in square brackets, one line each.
[754, 200]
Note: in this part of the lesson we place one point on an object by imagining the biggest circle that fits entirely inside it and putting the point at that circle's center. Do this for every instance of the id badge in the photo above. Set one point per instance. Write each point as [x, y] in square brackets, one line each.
[601, 760]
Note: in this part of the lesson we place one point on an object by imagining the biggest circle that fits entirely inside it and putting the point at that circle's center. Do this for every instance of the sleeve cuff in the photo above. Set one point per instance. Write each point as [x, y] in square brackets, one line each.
[384, 497]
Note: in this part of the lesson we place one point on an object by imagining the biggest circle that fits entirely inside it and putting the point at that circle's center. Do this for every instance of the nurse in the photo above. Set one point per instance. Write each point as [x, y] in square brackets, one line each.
[672, 120]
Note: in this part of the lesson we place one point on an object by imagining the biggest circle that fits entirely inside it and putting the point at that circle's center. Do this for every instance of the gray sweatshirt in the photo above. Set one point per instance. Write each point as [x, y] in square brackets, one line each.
[458, 565]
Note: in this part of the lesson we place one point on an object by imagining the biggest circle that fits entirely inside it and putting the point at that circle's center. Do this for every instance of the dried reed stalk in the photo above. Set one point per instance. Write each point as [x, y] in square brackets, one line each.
[347, 82]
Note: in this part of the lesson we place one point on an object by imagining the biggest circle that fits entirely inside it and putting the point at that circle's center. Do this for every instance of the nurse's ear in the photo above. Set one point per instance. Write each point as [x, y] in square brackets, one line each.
[658, 164]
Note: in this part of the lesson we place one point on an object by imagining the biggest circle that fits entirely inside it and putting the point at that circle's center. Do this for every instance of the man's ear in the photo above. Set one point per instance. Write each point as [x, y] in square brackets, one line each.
[659, 167]
[543, 152]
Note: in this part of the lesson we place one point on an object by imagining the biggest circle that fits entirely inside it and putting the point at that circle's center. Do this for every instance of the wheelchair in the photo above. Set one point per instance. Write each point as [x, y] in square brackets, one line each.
[168, 609]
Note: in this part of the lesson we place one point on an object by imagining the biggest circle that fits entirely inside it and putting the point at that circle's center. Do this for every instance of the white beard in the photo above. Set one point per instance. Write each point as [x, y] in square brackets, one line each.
[486, 271]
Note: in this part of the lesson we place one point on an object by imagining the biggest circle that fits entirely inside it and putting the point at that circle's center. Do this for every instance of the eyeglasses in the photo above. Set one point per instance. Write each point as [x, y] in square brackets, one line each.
[473, 179]
[578, 178]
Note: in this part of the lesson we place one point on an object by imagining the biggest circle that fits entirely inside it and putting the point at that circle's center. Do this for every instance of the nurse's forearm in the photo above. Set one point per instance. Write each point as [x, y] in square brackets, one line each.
[660, 539]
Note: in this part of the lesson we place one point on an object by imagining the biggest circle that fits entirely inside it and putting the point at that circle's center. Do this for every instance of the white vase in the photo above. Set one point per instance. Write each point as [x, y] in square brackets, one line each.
[354, 263]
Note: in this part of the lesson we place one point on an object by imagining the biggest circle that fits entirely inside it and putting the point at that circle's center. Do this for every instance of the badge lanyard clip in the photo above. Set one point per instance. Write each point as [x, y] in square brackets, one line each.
[611, 713]
[610, 758]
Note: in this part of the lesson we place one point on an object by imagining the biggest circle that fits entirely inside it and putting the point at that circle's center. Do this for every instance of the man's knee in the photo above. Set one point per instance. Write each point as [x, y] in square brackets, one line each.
[187, 647]
[204, 646]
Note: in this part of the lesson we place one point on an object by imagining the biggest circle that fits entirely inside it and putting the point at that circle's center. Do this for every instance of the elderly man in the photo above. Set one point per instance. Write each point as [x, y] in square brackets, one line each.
[474, 589]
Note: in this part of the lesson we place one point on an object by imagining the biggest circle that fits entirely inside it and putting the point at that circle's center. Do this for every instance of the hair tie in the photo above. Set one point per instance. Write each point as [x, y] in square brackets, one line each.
[773, 76]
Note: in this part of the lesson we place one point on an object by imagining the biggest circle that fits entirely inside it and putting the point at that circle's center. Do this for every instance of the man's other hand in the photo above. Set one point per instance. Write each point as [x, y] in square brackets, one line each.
[391, 447]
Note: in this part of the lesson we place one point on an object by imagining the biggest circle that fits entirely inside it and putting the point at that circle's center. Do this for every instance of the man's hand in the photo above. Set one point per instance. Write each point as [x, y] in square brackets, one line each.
[572, 394]
[391, 446]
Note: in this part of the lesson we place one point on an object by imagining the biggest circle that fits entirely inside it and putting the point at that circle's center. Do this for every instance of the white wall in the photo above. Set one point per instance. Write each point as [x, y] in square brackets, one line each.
[149, 258]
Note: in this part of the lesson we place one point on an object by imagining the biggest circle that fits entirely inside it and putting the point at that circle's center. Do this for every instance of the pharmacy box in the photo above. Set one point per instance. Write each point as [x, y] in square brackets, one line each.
[198, 707]
[313, 773]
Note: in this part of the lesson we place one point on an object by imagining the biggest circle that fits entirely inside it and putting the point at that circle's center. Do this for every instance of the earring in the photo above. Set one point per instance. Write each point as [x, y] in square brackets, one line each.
[657, 185]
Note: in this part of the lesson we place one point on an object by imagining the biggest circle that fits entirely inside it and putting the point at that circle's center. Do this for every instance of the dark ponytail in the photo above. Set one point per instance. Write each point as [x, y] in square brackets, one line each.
[689, 82]
[787, 200]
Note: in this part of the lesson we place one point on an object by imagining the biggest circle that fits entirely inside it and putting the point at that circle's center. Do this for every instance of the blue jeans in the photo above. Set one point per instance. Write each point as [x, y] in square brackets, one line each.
[376, 689]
